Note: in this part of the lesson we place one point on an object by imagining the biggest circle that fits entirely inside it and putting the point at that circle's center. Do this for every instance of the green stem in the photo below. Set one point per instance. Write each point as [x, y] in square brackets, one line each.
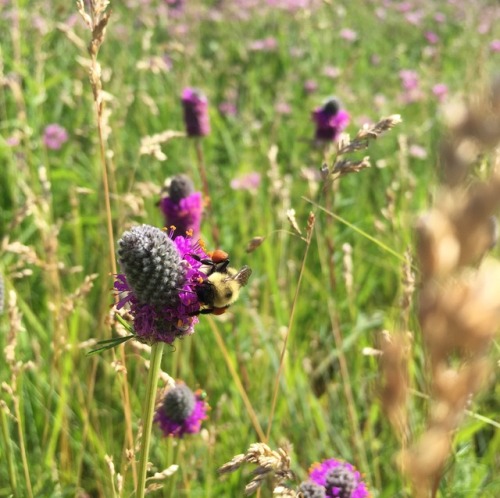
[8, 452]
[147, 416]
[173, 460]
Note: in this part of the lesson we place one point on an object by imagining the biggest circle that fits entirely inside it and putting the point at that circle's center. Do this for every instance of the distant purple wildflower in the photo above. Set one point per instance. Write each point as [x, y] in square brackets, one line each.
[182, 207]
[432, 37]
[440, 90]
[181, 412]
[339, 479]
[310, 86]
[495, 46]
[330, 120]
[332, 72]
[417, 151]
[159, 283]
[283, 108]
[228, 108]
[250, 181]
[13, 141]
[196, 118]
[348, 34]
[440, 17]
[54, 136]
[410, 82]
[268, 44]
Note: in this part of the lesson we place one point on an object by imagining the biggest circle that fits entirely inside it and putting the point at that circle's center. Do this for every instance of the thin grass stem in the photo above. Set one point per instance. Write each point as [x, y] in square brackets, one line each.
[206, 190]
[289, 328]
[8, 452]
[237, 380]
[22, 448]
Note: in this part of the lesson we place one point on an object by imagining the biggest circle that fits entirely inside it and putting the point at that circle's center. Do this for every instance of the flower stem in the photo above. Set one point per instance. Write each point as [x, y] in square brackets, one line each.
[206, 192]
[147, 416]
[8, 452]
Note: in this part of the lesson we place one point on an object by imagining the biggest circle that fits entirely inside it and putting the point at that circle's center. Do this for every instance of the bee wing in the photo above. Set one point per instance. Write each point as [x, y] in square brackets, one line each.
[243, 275]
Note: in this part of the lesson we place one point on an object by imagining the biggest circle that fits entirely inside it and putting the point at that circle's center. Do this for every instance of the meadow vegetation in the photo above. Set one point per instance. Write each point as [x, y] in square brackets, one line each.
[325, 354]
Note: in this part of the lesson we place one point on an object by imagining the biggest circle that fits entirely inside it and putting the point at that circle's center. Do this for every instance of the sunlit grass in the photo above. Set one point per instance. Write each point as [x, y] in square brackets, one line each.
[67, 409]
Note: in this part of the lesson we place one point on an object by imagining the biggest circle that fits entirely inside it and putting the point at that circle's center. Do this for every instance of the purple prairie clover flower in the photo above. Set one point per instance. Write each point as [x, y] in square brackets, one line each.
[348, 34]
[268, 44]
[159, 283]
[432, 37]
[250, 181]
[495, 46]
[330, 120]
[228, 108]
[196, 119]
[339, 479]
[182, 207]
[310, 86]
[440, 91]
[181, 411]
[54, 136]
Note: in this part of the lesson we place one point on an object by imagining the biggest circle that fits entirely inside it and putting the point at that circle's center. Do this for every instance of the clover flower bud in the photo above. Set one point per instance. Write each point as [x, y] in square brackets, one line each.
[181, 411]
[339, 479]
[330, 120]
[312, 490]
[196, 118]
[182, 207]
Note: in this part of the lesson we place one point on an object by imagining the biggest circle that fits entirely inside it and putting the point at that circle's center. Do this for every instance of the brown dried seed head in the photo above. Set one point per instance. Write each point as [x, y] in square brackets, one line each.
[437, 245]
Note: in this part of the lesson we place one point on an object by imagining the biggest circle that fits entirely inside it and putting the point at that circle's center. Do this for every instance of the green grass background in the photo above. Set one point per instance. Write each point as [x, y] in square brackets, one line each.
[71, 407]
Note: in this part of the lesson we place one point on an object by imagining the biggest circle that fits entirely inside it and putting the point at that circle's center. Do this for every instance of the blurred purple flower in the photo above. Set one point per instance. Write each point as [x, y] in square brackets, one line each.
[310, 86]
[495, 46]
[283, 108]
[440, 90]
[410, 82]
[332, 72]
[414, 18]
[250, 181]
[440, 17]
[13, 141]
[227, 108]
[196, 118]
[330, 120]
[432, 37]
[182, 208]
[175, 7]
[409, 79]
[339, 479]
[54, 136]
[417, 151]
[181, 411]
[348, 35]
[265, 45]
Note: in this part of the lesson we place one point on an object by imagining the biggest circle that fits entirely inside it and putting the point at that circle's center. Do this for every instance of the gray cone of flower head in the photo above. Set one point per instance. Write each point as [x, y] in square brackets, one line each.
[179, 403]
[342, 478]
[152, 265]
[312, 490]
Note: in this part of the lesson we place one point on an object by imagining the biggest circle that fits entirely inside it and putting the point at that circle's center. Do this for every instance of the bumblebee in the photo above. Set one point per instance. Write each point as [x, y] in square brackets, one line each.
[222, 286]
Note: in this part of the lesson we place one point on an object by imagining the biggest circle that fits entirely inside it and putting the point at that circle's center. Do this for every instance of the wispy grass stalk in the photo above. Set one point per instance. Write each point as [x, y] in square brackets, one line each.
[97, 23]
[310, 229]
[206, 190]
[236, 379]
[8, 449]
[174, 447]
[147, 416]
